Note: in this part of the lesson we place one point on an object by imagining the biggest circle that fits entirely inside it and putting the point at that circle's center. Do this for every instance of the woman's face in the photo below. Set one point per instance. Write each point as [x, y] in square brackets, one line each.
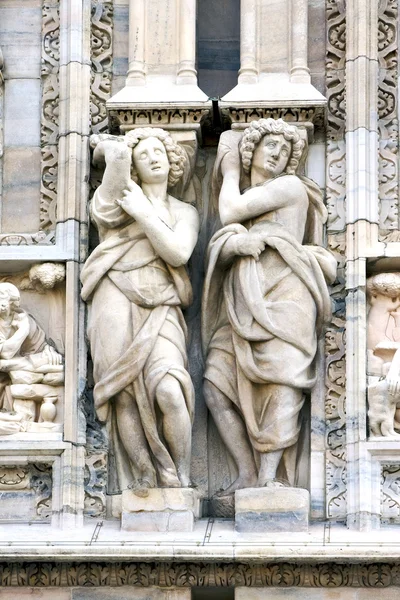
[151, 161]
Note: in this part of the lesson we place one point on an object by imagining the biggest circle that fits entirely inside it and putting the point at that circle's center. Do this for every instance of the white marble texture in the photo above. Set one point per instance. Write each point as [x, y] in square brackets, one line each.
[20, 25]
[21, 189]
[362, 176]
[22, 112]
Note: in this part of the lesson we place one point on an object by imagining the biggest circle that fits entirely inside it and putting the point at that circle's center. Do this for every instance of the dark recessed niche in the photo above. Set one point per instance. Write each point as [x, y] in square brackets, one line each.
[218, 45]
[213, 593]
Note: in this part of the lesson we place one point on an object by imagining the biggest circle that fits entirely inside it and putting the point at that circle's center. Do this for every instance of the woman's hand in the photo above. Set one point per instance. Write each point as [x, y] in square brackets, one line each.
[135, 203]
[108, 150]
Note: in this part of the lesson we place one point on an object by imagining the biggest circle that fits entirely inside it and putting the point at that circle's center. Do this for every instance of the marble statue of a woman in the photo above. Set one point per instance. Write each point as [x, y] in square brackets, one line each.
[265, 299]
[135, 283]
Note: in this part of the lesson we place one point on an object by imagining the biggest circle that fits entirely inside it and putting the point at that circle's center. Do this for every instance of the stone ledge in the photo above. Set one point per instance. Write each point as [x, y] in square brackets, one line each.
[186, 575]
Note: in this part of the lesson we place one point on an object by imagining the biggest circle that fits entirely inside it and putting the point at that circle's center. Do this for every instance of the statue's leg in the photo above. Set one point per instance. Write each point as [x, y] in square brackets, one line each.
[269, 462]
[177, 427]
[133, 439]
[279, 426]
[233, 432]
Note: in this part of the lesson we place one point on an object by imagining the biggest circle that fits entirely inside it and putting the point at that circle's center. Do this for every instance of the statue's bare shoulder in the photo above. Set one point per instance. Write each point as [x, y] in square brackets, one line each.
[184, 212]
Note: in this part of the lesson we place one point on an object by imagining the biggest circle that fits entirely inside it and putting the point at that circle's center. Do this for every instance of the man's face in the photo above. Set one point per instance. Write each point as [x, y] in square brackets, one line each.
[271, 155]
[5, 308]
[151, 161]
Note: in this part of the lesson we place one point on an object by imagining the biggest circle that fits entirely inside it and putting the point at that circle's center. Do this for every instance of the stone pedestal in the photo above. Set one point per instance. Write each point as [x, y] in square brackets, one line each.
[259, 510]
[164, 509]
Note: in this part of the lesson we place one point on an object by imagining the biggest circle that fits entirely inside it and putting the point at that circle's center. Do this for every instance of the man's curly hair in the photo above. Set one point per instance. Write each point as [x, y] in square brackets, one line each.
[253, 135]
[12, 293]
[176, 156]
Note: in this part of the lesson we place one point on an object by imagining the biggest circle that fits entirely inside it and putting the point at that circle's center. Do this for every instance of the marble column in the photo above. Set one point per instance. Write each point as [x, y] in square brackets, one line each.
[273, 63]
[162, 55]
[362, 223]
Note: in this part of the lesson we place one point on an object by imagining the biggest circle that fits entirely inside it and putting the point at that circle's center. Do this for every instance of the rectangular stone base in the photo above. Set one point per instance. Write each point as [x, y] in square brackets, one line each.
[164, 509]
[272, 509]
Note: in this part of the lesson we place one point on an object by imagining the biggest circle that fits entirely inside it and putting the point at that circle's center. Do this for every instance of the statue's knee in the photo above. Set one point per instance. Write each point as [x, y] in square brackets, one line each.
[169, 394]
[211, 395]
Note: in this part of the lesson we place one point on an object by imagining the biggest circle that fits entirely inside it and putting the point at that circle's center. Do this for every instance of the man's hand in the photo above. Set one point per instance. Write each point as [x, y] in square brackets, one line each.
[393, 386]
[231, 162]
[52, 356]
[248, 244]
[20, 320]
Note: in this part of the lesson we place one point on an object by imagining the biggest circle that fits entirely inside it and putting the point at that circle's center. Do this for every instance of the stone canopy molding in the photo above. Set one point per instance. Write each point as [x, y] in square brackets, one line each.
[199, 299]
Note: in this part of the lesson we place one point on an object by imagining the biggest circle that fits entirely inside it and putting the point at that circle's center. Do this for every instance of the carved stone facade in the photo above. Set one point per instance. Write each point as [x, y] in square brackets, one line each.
[388, 118]
[199, 298]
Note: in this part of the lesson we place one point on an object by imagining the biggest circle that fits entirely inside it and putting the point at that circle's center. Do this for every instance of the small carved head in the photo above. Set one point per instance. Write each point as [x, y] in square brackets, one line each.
[384, 284]
[154, 150]
[283, 146]
[47, 275]
[9, 298]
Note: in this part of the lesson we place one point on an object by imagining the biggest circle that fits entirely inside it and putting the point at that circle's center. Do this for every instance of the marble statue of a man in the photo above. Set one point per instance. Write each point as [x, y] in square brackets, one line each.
[265, 299]
[31, 370]
[136, 283]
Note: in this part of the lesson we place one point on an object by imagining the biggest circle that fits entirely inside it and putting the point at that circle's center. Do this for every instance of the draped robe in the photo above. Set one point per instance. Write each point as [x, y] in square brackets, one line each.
[137, 335]
[261, 323]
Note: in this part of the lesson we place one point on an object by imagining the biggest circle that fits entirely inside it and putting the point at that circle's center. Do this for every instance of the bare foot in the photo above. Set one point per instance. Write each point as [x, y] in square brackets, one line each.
[245, 481]
[273, 483]
[185, 480]
[170, 480]
[140, 488]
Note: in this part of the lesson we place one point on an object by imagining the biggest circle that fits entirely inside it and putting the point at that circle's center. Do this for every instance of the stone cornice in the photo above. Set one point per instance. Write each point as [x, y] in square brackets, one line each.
[186, 574]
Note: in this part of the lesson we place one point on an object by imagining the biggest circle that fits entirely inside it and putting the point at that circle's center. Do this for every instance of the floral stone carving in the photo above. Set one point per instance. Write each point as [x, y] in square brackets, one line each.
[135, 282]
[266, 299]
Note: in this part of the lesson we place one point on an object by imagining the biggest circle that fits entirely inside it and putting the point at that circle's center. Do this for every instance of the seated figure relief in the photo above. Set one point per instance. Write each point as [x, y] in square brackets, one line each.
[383, 354]
[31, 370]
[136, 284]
[265, 300]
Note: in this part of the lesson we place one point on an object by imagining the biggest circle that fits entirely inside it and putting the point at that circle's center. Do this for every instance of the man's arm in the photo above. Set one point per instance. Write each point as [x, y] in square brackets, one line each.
[10, 347]
[238, 208]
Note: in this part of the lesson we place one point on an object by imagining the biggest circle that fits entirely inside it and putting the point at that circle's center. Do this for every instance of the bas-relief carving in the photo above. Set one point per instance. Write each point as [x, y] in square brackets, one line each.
[335, 349]
[388, 118]
[201, 574]
[49, 114]
[265, 300]
[26, 491]
[101, 55]
[390, 493]
[383, 353]
[335, 382]
[136, 284]
[48, 132]
[31, 369]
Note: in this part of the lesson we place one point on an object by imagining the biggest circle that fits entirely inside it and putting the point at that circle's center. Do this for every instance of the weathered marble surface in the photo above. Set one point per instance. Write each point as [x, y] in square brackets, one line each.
[265, 299]
[242, 593]
[135, 282]
[110, 593]
[32, 371]
[272, 510]
[383, 351]
[162, 510]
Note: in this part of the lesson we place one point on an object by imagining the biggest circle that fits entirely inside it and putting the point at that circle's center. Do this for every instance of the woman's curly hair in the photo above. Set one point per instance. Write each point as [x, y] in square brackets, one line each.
[176, 155]
[253, 135]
